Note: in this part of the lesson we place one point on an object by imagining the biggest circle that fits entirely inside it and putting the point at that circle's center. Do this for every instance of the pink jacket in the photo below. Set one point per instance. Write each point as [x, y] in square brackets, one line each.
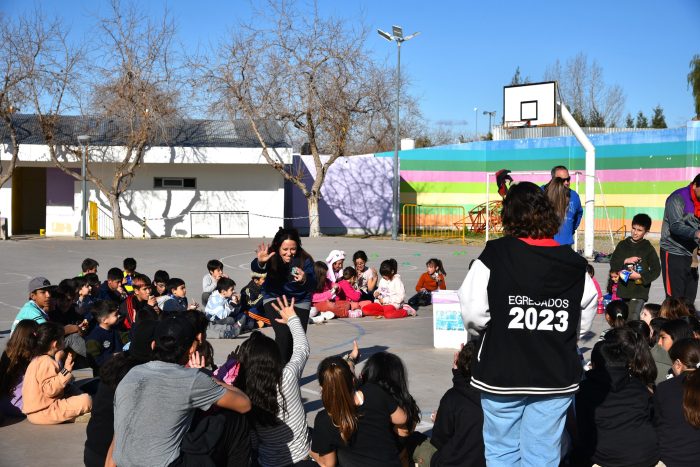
[347, 292]
[325, 295]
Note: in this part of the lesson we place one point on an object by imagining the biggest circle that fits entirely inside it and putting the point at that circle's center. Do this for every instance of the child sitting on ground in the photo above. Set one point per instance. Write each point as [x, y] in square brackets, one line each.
[334, 261]
[48, 398]
[649, 312]
[614, 406]
[251, 300]
[389, 295]
[177, 298]
[89, 266]
[456, 438]
[129, 273]
[160, 287]
[216, 272]
[615, 315]
[104, 340]
[673, 308]
[346, 291]
[13, 364]
[223, 313]
[431, 280]
[677, 408]
[112, 289]
[366, 276]
[324, 305]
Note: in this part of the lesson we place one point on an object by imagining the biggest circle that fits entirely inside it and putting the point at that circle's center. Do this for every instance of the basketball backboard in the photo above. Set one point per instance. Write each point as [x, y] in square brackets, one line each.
[529, 104]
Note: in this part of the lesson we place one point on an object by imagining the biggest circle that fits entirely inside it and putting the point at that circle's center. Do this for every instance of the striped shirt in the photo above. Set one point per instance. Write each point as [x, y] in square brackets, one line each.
[288, 442]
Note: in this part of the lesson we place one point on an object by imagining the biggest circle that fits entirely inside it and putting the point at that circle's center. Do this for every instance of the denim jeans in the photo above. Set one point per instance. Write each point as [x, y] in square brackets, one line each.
[524, 430]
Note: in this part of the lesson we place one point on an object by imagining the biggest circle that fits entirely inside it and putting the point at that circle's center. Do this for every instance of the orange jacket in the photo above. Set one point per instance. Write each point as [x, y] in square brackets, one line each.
[43, 384]
[428, 283]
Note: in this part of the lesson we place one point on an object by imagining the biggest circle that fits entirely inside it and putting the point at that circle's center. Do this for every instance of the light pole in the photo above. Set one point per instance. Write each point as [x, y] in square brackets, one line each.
[476, 123]
[396, 36]
[84, 140]
[491, 114]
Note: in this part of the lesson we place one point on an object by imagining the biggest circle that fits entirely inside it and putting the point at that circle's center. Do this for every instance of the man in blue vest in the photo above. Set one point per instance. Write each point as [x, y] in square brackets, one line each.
[680, 235]
[574, 212]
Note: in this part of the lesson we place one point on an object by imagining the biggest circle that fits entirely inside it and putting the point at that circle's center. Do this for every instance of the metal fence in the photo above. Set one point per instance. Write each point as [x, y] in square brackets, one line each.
[209, 223]
[501, 133]
[436, 221]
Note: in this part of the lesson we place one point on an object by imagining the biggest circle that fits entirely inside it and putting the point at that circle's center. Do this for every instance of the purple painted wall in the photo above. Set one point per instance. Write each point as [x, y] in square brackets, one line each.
[355, 197]
[59, 188]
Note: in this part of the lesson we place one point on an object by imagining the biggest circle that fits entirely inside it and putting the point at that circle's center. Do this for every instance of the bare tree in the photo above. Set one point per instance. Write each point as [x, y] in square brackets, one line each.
[26, 45]
[307, 73]
[581, 84]
[133, 90]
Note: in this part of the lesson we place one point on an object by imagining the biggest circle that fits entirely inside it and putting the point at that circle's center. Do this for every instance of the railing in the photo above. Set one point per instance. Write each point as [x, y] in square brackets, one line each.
[101, 222]
[502, 133]
[437, 221]
[209, 223]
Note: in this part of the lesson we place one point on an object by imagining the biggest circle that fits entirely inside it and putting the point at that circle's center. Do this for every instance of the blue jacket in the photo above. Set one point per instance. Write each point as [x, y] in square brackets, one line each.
[574, 213]
[568, 227]
[277, 286]
[30, 310]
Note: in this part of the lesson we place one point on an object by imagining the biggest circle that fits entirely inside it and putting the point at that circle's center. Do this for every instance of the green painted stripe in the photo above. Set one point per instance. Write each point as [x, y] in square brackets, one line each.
[610, 188]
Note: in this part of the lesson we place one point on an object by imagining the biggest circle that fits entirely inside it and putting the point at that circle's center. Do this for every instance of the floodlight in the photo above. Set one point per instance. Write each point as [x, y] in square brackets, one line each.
[398, 31]
[411, 36]
[385, 35]
[83, 139]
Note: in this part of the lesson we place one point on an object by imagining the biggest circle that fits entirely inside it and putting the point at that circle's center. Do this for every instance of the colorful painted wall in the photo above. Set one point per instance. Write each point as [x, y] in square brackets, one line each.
[635, 169]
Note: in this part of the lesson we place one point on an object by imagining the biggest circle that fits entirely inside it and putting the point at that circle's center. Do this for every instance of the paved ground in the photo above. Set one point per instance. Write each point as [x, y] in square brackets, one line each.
[22, 444]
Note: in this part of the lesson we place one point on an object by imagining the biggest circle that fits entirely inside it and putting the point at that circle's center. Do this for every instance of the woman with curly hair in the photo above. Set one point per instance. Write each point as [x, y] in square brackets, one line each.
[290, 273]
[528, 298]
[280, 432]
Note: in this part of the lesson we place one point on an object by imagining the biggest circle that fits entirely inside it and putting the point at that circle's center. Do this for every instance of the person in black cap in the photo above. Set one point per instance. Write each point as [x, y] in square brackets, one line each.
[100, 429]
[37, 307]
[155, 406]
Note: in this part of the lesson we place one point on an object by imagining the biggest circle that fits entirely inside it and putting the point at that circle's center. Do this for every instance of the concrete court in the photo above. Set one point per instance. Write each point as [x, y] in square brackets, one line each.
[23, 444]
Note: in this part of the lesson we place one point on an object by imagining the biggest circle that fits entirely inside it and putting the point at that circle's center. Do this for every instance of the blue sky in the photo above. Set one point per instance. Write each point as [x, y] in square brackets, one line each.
[468, 50]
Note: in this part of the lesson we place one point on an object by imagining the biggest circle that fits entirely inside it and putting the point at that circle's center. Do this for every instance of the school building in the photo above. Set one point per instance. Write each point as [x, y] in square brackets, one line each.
[202, 177]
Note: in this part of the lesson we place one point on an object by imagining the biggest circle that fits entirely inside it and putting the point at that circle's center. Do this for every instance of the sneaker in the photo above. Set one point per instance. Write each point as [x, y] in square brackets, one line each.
[317, 319]
[327, 315]
[84, 418]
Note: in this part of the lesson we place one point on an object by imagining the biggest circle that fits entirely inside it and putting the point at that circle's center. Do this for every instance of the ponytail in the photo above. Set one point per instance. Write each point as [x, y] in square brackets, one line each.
[617, 313]
[438, 265]
[338, 395]
[687, 351]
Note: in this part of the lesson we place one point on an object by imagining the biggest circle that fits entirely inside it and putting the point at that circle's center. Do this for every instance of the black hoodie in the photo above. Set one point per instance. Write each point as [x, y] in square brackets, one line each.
[457, 433]
[614, 419]
[535, 293]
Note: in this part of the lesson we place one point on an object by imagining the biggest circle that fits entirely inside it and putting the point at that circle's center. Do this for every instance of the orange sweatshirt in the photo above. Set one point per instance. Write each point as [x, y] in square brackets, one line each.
[428, 283]
[43, 384]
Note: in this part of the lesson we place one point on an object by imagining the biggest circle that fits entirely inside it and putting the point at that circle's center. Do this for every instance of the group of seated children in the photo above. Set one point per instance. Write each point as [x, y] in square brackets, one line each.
[353, 292]
[83, 323]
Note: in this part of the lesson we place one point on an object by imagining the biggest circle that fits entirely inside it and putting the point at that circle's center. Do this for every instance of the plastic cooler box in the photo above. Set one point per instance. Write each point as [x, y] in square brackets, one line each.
[448, 328]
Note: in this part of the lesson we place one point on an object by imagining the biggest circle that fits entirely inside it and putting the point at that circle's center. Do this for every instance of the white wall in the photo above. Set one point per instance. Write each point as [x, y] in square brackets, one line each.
[228, 179]
[6, 199]
[254, 188]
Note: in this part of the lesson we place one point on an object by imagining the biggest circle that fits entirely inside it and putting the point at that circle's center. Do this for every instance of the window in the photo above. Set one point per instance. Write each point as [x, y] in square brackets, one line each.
[175, 183]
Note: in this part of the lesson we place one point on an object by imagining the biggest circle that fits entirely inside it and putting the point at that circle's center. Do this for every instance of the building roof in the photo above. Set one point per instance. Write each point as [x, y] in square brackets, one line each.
[179, 133]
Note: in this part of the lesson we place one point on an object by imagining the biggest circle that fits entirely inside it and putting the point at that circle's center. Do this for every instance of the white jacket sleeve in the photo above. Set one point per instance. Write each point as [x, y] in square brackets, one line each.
[397, 292]
[473, 298]
[589, 305]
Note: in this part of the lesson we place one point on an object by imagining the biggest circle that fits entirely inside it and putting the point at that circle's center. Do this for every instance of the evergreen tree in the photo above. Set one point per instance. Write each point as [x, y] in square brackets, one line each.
[658, 120]
[516, 77]
[694, 81]
[596, 119]
[642, 121]
[579, 117]
[629, 121]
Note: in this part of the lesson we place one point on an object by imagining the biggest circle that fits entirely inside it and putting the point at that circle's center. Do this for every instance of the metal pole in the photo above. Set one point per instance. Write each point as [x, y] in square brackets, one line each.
[395, 208]
[84, 190]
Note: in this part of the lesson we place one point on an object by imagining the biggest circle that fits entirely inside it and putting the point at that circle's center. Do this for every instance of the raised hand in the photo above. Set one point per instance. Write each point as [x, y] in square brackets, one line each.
[196, 360]
[69, 362]
[262, 253]
[284, 308]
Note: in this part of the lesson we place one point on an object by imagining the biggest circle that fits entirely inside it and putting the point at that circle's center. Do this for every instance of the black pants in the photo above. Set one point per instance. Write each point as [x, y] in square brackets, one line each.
[680, 280]
[420, 299]
[283, 337]
[218, 439]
